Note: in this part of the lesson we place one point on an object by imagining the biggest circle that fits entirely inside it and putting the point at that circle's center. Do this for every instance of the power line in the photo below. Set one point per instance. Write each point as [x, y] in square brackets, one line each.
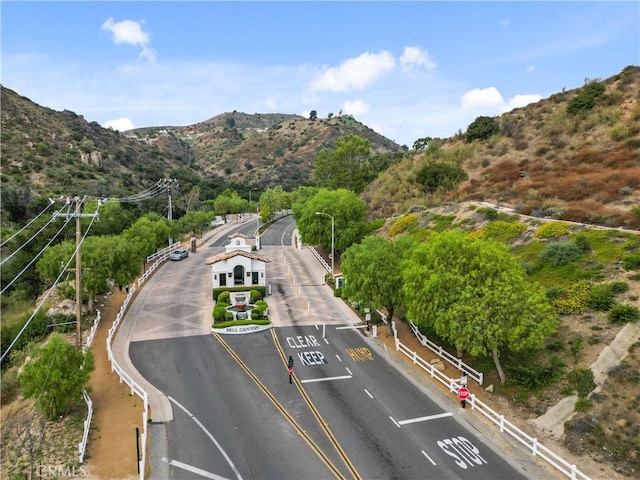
[32, 220]
[56, 281]
[32, 237]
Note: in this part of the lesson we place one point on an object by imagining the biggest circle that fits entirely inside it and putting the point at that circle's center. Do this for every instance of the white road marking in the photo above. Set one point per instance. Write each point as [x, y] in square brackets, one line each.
[325, 379]
[215, 442]
[352, 327]
[196, 470]
[349, 371]
[367, 392]
[428, 457]
[394, 422]
[338, 357]
[326, 341]
[424, 419]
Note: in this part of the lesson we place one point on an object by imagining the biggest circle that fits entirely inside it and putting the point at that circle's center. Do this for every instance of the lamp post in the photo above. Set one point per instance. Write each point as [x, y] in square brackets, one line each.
[251, 190]
[332, 240]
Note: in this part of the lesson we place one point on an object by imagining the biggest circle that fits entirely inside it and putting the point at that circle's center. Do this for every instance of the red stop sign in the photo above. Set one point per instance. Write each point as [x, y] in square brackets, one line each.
[463, 393]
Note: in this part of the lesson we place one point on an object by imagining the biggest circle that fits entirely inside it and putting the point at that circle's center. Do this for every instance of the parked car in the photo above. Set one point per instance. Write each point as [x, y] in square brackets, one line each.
[179, 254]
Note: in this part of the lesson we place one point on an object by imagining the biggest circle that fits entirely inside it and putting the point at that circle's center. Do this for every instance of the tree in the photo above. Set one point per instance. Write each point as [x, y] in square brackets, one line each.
[347, 166]
[313, 115]
[194, 221]
[56, 376]
[482, 128]
[436, 176]
[474, 293]
[372, 272]
[349, 213]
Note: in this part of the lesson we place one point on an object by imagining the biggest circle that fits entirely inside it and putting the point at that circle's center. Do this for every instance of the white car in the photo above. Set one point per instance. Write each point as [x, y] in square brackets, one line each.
[179, 254]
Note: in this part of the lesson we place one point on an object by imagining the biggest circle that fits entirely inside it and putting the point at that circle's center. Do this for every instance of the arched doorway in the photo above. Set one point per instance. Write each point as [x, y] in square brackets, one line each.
[238, 275]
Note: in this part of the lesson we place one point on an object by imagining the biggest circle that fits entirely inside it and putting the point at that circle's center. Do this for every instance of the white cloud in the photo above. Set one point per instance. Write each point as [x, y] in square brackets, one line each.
[416, 57]
[354, 73]
[482, 98]
[130, 32]
[520, 101]
[119, 124]
[355, 107]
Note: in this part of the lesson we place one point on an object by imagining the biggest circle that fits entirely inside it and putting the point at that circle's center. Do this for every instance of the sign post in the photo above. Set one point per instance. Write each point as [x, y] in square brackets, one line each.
[463, 394]
[290, 365]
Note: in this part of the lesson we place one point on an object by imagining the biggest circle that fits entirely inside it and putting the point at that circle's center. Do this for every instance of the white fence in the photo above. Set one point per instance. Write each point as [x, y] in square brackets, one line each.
[537, 449]
[455, 361]
[320, 259]
[165, 252]
[82, 446]
[126, 378]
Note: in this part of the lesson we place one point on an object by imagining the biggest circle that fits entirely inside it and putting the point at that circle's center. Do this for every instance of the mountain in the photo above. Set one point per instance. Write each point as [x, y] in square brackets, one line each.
[265, 150]
[51, 153]
[573, 156]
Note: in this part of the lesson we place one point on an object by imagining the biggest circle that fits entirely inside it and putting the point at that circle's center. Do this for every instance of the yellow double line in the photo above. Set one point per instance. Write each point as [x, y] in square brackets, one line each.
[318, 451]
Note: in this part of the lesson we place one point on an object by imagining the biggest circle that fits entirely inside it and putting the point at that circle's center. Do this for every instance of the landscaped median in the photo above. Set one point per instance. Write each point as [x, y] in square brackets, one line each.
[239, 311]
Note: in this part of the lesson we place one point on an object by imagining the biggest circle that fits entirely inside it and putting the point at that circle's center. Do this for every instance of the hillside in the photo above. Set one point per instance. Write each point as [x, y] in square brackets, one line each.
[51, 153]
[542, 161]
[264, 150]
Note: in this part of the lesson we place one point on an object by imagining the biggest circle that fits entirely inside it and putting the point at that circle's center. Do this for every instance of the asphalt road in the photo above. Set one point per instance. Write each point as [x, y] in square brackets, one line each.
[348, 413]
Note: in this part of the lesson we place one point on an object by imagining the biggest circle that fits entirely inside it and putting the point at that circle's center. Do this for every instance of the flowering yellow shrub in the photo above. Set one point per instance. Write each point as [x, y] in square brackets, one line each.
[574, 301]
[552, 230]
[402, 224]
[477, 233]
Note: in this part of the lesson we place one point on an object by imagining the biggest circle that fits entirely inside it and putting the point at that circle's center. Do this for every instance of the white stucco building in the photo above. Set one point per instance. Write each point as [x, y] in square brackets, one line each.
[238, 266]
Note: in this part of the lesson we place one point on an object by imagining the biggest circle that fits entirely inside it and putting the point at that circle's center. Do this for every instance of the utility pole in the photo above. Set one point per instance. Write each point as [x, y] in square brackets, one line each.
[77, 214]
[170, 214]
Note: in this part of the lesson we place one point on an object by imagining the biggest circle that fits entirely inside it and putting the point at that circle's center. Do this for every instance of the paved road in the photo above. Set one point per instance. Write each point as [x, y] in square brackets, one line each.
[234, 413]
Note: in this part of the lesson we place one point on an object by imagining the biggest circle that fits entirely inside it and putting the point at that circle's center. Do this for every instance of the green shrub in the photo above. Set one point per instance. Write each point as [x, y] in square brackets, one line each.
[619, 287]
[582, 379]
[224, 297]
[259, 310]
[583, 404]
[560, 253]
[219, 311]
[255, 296]
[631, 262]
[482, 128]
[489, 213]
[582, 242]
[552, 230]
[601, 298]
[621, 313]
[586, 99]
[554, 293]
[438, 176]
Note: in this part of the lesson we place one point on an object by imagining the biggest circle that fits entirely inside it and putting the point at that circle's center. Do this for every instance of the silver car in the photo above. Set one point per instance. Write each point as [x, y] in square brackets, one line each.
[179, 254]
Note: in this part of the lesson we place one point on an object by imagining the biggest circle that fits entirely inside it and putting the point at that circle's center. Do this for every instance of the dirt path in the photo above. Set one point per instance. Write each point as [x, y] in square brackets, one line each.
[111, 450]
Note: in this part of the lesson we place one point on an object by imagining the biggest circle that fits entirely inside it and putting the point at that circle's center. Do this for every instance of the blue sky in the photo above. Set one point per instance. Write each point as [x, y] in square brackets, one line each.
[406, 69]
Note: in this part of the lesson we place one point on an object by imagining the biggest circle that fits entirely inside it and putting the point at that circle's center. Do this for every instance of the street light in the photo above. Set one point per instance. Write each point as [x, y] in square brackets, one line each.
[332, 240]
[251, 190]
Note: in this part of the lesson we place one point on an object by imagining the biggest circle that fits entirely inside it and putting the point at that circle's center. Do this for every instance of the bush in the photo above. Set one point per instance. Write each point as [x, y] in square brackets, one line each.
[631, 262]
[619, 287]
[482, 128]
[560, 253]
[582, 242]
[436, 176]
[489, 213]
[583, 404]
[255, 296]
[403, 223]
[582, 380]
[259, 310]
[503, 231]
[574, 300]
[220, 311]
[586, 99]
[601, 298]
[621, 313]
[552, 229]
[224, 297]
